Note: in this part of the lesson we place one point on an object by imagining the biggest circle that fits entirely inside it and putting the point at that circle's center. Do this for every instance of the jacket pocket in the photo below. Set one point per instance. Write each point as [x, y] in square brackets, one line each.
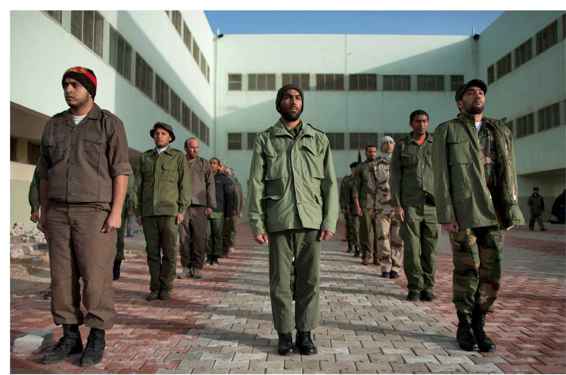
[459, 153]
[313, 159]
[169, 171]
[92, 149]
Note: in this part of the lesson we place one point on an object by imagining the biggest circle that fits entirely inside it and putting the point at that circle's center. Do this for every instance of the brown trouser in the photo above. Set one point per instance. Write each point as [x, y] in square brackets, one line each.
[78, 249]
[192, 237]
[161, 241]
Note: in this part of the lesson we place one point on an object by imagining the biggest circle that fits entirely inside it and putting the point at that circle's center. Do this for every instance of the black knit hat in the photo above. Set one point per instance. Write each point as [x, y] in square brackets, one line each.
[165, 127]
[84, 76]
[472, 83]
[282, 92]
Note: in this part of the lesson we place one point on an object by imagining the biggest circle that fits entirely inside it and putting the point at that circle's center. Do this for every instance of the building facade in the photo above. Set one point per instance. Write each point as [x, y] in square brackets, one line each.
[169, 66]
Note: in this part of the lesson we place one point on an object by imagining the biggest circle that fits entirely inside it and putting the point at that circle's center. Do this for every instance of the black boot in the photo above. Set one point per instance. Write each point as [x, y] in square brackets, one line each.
[94, 348]
[285, 345]
[116, 269]
[69, 344]
[485, 344]
[465, 335]
[305, 344]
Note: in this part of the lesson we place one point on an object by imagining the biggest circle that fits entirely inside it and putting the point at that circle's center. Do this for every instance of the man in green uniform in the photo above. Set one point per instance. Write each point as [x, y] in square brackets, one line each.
[129, 205]
[347, 206]
[475, 187]
[536, 208]
[389, 243]
[83, 175]
[412, 187]
[164, 192]
[224, 189]
[231, 222]
[293, 206]
[366, 201]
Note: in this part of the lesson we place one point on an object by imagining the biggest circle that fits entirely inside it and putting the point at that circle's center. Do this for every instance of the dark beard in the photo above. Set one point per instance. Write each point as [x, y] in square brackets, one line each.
[473, 110]
[288, 116]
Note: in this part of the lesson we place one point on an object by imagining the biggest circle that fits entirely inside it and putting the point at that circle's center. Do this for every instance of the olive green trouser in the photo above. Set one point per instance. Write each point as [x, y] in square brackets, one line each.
[215, 247]
[79, 250]
[352, 231]
[419, 232]
[369, 234]
[477, 254]
[161, 243]
[120, 233]
[294, 271]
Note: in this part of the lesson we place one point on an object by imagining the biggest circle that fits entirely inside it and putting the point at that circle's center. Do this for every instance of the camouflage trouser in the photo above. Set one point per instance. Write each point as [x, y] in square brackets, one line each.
[352, 231]
[477, 254]
[368, 235]
[420, 235]
[389, 244]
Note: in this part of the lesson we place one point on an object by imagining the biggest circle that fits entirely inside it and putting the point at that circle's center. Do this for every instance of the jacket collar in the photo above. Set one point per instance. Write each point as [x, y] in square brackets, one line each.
[95, 113]
[428, 137]
[280, 130]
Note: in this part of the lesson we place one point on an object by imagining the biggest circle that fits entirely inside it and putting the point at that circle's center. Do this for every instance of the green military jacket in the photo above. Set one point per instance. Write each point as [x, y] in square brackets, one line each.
[130, 202]
[292, 183]
[163, 183]
[347, 188]
[412, 177]
[366, 190]
[33, 194]
[461, 192]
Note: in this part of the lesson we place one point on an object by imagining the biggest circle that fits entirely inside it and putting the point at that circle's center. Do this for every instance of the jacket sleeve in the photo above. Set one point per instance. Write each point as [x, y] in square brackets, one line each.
[210, 186]
[343, 194]
[139, 187]
[329, 189]
[396, 175]
[184, 184]
[33, 194]
[131, 193]
[442, 194]
[255, 189]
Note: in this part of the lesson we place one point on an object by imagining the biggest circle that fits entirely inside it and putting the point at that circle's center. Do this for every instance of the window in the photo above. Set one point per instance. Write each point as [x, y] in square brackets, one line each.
[336, 140]
[57, 15]
[330, 82]
[177, 20]
[195, 125]
[234, 141]
[490, 74]
[547, 37]
[359, 141]
[203, 132]
[298, 79]
[509, 124]
[175, 106]
[88, 26]
[120, 54]
[161, 93]
[251, 140]
[186, 117]
[430, 83]
[33, 153]
[207, 73]
[234, 82]
[261, 82]
[13, 149]
[503, 66]
[456, 81]
[196, 51]
[549, 117]
[523, 53]
[396, 83]
[525, 125]
[363, 82]
[144, 76]
[187, 37]
[564, 26]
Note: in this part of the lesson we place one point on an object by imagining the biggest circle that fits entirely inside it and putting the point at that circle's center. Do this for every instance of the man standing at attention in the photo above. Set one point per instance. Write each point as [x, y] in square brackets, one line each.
[475, 187]
[347, 206]
[293, 206]
[83, 175]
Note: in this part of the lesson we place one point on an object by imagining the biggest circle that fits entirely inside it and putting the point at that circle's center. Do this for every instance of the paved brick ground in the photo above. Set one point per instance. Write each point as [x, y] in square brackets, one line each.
[222, 323]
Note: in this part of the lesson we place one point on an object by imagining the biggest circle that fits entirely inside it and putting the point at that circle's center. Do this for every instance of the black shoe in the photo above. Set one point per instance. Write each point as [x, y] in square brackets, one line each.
[215, 259]
[196, 273]
[69, 344]
[413, 295]
[464, 334]
[285, 345]
[165, 295]
[485, 344]
[152, 296]
[94, 348]
[305, 344]
[116, 270]
[427, 295]
[393, 274]
[385, 274]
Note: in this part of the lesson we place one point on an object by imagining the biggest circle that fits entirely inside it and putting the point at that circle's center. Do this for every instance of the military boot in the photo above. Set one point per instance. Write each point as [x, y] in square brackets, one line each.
[356, 251]
[116, 269]
[94, 348]
[285, 345]
[464, 334]
[69, 344]
[305, 344]
[485, 344]
[196, 273]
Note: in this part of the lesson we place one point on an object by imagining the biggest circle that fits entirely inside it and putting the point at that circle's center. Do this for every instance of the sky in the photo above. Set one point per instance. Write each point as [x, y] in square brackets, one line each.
[351, 22]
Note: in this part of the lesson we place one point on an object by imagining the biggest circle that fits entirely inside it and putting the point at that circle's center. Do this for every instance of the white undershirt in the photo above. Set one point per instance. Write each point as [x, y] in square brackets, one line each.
[478, 126]
[160, 150]
[78, 119]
